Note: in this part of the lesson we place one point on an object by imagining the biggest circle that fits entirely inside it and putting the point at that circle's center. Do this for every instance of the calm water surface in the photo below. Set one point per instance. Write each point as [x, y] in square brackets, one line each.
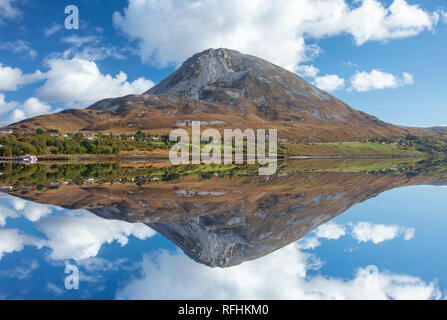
[301, 234]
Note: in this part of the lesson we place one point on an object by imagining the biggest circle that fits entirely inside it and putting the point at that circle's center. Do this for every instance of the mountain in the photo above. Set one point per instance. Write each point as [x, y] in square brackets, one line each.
[227, 89]
[442, 129]
[226, 220]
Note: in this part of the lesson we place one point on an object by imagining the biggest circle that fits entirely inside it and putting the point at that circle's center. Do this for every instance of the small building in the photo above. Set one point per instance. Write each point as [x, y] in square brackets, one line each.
[6, 131]
[90, 137]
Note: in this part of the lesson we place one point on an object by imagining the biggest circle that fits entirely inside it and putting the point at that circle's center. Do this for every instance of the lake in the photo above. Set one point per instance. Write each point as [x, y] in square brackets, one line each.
[317, 229]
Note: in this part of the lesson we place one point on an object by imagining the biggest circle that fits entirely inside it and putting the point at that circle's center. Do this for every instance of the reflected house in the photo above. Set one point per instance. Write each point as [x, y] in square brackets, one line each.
[224, 221]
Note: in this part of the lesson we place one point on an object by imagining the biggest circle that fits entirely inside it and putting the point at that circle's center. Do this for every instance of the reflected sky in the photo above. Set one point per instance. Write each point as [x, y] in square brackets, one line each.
[389, 247]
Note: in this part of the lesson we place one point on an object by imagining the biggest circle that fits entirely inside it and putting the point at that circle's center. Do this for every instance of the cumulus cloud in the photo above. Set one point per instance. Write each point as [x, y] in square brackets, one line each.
[77, 235]
[21, 208]
[12, 240]
[308, 243]
[364, 81]
[6, 106]
[12, 78]
[330, 82]
[169, 31]
[308, 71]
[378, 233]
[82, 236]
[331, 231]
[18, 111]
[328, 231]
[167, 275]
[73, 82]
[30, 108]
[78, 81]
[30, 210]
[6, 213]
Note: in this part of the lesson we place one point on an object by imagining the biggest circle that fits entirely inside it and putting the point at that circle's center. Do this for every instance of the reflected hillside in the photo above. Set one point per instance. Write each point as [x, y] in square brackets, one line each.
[220, 215]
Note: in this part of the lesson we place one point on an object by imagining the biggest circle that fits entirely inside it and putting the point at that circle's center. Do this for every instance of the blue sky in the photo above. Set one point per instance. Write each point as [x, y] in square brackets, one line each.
[386, 58]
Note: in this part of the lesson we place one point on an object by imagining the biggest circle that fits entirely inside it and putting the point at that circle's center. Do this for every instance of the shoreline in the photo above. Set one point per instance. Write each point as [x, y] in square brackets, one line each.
[163, 158]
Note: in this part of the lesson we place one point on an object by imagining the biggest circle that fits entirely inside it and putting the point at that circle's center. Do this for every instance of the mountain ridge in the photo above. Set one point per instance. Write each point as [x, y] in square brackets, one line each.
[227, 89]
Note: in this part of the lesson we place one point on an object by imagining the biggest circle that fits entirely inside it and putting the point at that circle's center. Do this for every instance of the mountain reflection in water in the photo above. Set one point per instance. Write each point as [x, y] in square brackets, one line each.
[220, 216]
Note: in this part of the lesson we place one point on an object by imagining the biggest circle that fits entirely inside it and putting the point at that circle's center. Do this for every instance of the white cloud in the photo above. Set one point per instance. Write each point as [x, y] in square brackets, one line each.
[20, 272]
[81, 237]
[8, 11]
[92, 47]
[79, 81]
[19, 111]
[79, 41]
[77, 235]
[407, 79]
[97, 53]
[308, 243]
[168, 275]
[307, 71]
[6, 213]
[330, 82]
[378, 233]
[409, 233]
[6, 106]
[169, 31]
[52, 30]
[12, 78]
[31, 210]
[19, 207]
[12, 240]
[366, 81]
[444, 16]
[331, 231]
[54, 289]
[19, 46]
[30, 108]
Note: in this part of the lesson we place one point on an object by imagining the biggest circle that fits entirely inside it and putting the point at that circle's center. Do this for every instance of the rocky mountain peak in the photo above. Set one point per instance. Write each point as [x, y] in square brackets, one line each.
[220, 75]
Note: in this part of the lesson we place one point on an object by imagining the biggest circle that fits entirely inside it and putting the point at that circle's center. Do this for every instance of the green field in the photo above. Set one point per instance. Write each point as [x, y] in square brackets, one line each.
[348, 149]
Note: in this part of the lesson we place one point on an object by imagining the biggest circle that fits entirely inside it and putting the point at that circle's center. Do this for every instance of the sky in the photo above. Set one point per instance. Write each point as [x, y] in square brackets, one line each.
[387, 58]
[389, 247]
